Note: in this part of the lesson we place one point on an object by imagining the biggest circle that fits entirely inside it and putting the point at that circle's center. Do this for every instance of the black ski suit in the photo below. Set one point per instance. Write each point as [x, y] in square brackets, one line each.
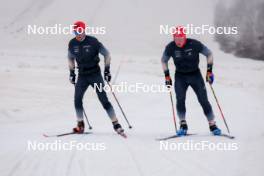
[86, 54]
[187, 74]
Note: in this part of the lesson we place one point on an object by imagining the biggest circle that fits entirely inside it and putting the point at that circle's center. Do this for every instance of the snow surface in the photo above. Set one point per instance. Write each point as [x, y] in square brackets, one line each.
[37, 98]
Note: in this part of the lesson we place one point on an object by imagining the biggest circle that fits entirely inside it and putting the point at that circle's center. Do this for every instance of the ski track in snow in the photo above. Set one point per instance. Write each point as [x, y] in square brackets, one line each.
[129, 147]
[27, 15]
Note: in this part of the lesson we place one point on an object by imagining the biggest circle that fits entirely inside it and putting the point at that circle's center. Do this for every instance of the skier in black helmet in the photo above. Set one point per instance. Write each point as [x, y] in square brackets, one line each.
[84, 50]
[185, 54]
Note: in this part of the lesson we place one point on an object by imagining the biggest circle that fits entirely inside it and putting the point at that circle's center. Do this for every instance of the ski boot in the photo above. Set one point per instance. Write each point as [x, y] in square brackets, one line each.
[80, 128]
[118, 128]
[214, 129]
[183, 128]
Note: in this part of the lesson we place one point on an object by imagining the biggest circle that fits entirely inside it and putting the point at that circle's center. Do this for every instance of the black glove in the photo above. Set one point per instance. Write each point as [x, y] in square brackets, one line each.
[107, 74]
[168, 80]
[72, 76]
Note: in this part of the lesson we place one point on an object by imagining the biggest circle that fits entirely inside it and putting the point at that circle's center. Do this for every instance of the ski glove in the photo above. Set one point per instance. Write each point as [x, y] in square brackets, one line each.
[72, 76]
[168, 81]
[107, 74]
[209, 74]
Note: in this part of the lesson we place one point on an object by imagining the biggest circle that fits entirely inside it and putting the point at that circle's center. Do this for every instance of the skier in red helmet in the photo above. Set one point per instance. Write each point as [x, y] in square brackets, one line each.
[84, 50]
[185, 53]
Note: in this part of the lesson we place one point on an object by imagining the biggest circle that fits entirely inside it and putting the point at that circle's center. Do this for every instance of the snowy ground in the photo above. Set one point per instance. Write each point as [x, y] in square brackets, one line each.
[36, 97]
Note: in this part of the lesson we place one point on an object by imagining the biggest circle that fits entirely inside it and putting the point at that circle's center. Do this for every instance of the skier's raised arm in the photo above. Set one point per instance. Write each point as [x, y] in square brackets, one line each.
[107, 61]
[71, 64]
[164, 62]
[210, 61]
[106, 54]
[71, 61]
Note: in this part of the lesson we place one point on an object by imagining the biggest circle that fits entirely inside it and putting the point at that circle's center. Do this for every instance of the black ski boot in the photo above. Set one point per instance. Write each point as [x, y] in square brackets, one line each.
[117, 127]
[214, 129]
[80, 127]
[183, 128]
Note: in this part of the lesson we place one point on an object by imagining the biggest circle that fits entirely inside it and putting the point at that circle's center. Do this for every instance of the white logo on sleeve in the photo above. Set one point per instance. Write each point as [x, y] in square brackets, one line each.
[76, 49]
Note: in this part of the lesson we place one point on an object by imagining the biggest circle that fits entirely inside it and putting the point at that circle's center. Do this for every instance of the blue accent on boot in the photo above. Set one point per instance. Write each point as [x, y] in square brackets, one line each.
[217, 132]
[181, 132]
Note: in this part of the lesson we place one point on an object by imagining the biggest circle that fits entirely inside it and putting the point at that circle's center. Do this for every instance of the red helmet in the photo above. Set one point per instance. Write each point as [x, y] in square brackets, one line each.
[179, 32]
[79, 26]
[179, 36]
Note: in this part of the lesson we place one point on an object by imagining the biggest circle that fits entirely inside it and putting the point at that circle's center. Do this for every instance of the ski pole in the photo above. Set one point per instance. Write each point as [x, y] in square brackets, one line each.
[223, 117]
[119, 105]
[173, 112]
[90, 127]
